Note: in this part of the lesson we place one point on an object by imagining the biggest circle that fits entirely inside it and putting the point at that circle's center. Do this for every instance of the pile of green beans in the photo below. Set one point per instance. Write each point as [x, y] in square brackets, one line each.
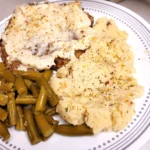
[28, 102]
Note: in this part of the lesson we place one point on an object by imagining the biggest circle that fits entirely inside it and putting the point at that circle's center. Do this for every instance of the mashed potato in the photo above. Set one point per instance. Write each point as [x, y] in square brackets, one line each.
[99, 88]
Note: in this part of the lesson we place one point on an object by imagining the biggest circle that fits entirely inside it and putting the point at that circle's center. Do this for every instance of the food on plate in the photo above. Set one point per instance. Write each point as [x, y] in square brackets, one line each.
[2, 66]
[42, 100]
[20, 85]
[30, 112]
[47, 74]
[44, 126]
[38, 34]
[3, 114]
[31, 127]
[4, 131]
[20, 121]
[32, 87]
[98, 88]
[73, 130]
[3, 99]
[26, 100]
[58, 61]
[41, 81]
[51, 120]
[11, 109]
[50, 111]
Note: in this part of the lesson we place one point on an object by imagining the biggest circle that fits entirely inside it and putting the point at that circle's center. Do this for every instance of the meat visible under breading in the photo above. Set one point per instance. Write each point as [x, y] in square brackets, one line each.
[14, 65]
[59, 62]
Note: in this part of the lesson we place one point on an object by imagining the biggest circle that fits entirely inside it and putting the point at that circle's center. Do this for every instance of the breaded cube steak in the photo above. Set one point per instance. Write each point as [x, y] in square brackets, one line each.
[39, 34]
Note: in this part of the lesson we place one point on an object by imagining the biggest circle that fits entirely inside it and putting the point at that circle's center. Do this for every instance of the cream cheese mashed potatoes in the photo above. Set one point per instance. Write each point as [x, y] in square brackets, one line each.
[37, 34]
[99, 88]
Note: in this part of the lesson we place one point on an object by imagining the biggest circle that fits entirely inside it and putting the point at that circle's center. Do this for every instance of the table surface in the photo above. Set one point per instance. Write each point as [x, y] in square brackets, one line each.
[138, 6]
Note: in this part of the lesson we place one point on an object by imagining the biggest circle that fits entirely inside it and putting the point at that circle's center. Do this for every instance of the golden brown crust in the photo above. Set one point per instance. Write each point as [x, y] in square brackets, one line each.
[59, 62]
[91, 18]
[14, 65]
[78, 53]
[4, 56]
[3, 52]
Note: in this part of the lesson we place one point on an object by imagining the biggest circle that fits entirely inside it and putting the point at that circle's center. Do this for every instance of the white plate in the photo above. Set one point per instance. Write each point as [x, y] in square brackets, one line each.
[139, 39]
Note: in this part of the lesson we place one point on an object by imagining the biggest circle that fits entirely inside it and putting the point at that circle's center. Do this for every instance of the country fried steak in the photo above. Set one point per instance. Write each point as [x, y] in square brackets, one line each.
[56, 34]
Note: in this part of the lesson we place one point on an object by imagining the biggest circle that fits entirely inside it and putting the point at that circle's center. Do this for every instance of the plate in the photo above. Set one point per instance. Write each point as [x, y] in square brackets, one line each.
[139, 40]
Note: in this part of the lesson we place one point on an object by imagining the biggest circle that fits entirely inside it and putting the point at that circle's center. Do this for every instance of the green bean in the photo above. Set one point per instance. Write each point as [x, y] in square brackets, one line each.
[31, 75]
[2, 80]
[32, 87]
[33, 108]
[3, 99]
[45, 138]
[20, 119]
[55, 125]
[50, 111]
[39, 78]
[35, 91]
[7, 123]
[47, 74]
[3, 114]
[20, 86]
[11, 109]
[71, 130]
[52, 97]
[41, 101]
[45, 128]
[2, 66]
[25, 99]
[28, 83]
[51, 120]
[6, 87]
[4, 131]
[31, 127]
[8, 76]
